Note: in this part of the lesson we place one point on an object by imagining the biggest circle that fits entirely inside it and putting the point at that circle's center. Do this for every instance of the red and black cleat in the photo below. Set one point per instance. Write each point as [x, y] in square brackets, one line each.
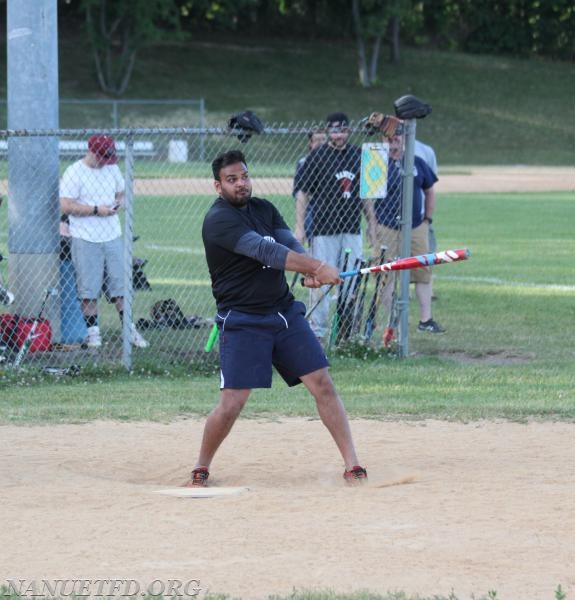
[355, 476]
[199, 477]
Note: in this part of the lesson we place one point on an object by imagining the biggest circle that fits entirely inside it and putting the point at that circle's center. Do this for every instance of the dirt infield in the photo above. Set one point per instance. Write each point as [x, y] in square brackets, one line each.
[464, 179]
[507, 179]
[453, 179]
[490, 508]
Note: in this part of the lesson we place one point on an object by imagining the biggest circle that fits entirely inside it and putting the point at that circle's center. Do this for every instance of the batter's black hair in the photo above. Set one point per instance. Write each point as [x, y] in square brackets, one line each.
[225, 159]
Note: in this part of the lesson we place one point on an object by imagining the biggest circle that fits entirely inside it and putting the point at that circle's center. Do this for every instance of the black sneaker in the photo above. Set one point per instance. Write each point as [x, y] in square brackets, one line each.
[430, 326]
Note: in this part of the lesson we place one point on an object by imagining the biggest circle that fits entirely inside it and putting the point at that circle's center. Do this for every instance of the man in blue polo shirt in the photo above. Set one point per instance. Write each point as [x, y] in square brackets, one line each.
[388, 215]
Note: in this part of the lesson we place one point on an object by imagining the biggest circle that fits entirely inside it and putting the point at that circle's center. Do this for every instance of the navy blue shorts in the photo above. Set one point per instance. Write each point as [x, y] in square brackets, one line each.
[251, 344]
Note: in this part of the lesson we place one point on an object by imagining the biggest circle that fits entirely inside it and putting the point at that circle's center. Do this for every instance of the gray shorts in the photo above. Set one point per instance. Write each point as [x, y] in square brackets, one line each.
[92, 260]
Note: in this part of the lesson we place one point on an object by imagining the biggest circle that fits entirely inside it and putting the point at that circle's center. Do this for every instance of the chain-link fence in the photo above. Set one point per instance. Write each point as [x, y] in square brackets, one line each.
[115, 113]
[166, 284]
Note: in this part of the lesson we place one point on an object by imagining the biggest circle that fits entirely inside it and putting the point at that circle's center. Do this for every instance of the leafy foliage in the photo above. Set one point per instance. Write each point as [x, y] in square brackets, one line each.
[517, 27]
[117, 30]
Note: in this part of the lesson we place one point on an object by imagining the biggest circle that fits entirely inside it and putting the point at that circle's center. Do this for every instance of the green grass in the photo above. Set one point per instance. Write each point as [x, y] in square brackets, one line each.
[508, 352]
[486, 109]
[383, 389]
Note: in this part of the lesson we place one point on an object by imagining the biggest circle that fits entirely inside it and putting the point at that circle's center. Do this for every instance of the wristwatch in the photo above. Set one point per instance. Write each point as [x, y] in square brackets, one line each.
[96, 210]
[428, 219]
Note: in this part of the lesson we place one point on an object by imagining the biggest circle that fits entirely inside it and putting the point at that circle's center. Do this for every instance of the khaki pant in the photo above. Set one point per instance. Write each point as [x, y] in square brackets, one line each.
[419, 245]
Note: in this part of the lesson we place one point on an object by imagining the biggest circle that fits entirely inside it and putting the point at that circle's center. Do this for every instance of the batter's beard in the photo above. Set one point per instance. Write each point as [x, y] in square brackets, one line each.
[239, 200]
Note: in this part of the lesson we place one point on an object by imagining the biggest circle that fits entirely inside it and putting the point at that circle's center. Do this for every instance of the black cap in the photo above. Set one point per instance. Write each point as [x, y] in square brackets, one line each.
[337, 119]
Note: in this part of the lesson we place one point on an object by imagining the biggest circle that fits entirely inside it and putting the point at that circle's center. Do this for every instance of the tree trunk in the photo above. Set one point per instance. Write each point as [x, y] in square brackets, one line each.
[363, 73]
[114, 56]
[374, 60]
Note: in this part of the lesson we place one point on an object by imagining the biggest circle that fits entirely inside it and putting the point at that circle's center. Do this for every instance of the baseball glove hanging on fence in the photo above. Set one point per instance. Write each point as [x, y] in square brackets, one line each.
[387, 125]
[247, 123]
[410, 107]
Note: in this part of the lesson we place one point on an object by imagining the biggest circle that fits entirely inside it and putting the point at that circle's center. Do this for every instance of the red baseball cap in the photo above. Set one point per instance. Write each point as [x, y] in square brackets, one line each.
[104, 148]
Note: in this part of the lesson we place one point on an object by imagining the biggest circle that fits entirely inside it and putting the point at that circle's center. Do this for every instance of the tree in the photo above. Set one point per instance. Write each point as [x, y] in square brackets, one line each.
[363, 35]
[371, 20]
[118, 30]
[513, 27]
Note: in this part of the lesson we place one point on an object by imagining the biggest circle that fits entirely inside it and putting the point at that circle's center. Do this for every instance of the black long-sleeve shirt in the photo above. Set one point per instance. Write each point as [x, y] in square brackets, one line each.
[246, 249]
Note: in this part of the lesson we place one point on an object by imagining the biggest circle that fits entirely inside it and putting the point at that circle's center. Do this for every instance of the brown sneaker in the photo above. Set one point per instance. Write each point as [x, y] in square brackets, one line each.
[199, 477]
[355, 476]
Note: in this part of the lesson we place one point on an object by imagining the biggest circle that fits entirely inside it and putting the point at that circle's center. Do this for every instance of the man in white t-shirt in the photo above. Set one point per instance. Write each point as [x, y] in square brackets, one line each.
[92, 193]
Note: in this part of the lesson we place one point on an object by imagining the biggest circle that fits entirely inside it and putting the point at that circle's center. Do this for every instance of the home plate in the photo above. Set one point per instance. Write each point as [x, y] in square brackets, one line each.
[202, 492]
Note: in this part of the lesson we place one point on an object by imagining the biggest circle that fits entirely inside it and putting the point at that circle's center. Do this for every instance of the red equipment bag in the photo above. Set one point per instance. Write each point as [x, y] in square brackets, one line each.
[15, 329]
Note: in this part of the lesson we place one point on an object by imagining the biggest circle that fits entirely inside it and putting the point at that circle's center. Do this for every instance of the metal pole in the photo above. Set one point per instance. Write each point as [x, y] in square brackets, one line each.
[128, 250]
[202, 125]
[33, 162]
[406, 222]
[115, 113]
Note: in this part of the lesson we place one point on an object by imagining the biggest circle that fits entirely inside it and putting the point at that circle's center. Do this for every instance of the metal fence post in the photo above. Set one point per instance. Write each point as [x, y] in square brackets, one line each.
[115, 114]
[128, 251]
[33, 205]
[406, 223]
[202, 125]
